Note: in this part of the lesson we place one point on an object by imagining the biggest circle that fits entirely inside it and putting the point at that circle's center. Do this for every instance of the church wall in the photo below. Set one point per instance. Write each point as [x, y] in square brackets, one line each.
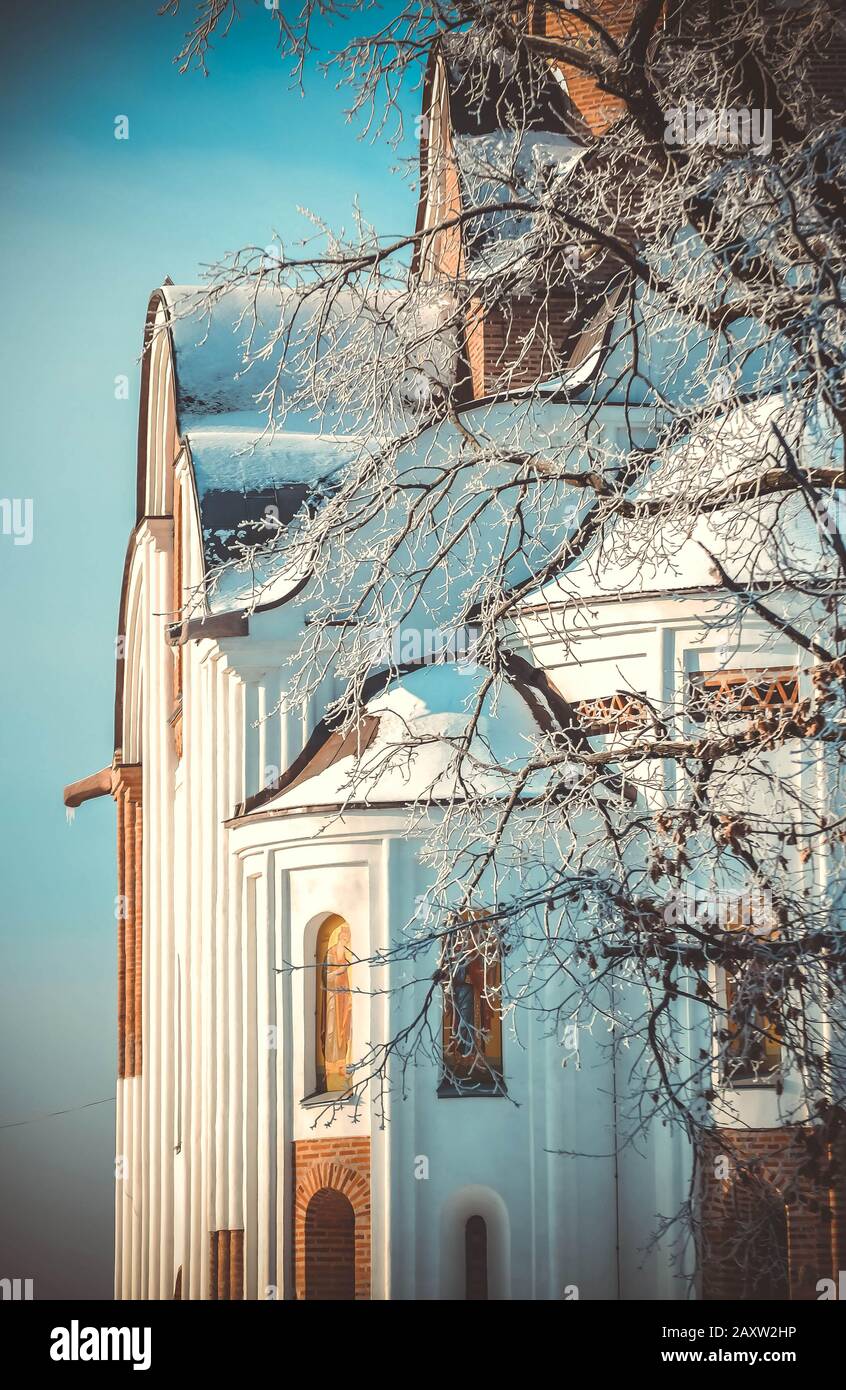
[250, 902]
[221, 1138]
[215, 1087]
[541, 1171]
[437, 1157]
[654, 1170]
[654, 645]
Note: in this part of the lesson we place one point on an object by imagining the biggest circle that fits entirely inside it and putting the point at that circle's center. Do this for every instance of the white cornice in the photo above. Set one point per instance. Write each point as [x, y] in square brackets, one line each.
[157, 530]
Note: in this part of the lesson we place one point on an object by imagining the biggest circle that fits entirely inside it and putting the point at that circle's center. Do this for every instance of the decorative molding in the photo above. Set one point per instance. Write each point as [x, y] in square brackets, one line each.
[158, 530]
[213, 626]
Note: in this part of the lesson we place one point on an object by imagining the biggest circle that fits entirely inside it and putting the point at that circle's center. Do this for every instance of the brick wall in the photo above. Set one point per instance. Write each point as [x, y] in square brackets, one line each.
[763, 1183]
[516, 346]
[331, 1248]
[127, 791]
[226, 1265]
[826, 77]
[599, 109]
[828, 71]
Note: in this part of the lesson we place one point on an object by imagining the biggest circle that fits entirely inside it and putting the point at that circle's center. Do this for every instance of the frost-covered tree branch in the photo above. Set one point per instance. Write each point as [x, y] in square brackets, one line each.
[607, 362]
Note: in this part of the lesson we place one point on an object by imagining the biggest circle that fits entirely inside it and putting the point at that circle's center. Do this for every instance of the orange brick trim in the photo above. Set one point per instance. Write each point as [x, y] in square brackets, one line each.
[226, 1265]
[340, 1165]
[127, 781]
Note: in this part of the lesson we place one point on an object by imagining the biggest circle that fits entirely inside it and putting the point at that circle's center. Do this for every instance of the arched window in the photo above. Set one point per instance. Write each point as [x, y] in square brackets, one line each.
[475, 1246]
[751, 1036]
[476, 1258]
[334, 1001]
[472, 1018]
[329, 1246]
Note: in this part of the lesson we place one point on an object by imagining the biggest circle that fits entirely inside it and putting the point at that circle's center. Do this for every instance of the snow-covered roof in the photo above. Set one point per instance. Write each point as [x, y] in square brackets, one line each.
[404, 747]
[250, 475]
[251, 478]
[734, 448]
[214, 385]
[249, 487]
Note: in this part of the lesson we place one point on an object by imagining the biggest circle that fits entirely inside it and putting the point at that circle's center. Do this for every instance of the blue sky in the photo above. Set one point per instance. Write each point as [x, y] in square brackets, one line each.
[91, 225]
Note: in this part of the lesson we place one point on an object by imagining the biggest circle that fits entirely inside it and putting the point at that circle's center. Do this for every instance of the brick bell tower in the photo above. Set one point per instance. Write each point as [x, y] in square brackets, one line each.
[473, 109]
[512, 337]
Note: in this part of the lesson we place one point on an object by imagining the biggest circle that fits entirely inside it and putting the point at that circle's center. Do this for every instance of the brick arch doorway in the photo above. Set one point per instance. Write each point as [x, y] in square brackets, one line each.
[766, 1269]
[329, 1246]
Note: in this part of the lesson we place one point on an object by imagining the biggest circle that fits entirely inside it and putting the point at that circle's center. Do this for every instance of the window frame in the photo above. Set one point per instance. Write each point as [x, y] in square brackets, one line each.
[486, 1073]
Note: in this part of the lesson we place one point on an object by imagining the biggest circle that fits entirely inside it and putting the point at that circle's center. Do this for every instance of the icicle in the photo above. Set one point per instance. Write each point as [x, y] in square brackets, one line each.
[70, 814]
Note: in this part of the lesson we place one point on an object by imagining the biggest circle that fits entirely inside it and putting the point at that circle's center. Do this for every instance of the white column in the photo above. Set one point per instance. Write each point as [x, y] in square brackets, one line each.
[382, 887]
[209, 1008]
[165, 1053]
[233, 696]
[266, 1086]
[280, 1061]
[218, 924]
[250, 882]
[120, 1254]
[198, 1119]
[253, 763]
[154, 798]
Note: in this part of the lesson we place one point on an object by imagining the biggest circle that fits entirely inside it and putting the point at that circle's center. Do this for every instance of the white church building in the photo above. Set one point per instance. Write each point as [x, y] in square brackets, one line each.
[250, 884]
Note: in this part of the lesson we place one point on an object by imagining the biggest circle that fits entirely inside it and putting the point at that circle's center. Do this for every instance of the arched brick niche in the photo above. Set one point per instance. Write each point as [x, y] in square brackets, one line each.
[759, 1209]
[329, 1246]
[332, 1218]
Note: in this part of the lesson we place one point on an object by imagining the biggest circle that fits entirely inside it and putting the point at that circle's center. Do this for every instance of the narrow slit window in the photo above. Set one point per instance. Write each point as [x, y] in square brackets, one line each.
[476, 1259]
[749, 1033]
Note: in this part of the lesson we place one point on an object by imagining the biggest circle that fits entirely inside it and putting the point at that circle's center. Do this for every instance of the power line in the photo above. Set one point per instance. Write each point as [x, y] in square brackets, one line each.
[51, 1114]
